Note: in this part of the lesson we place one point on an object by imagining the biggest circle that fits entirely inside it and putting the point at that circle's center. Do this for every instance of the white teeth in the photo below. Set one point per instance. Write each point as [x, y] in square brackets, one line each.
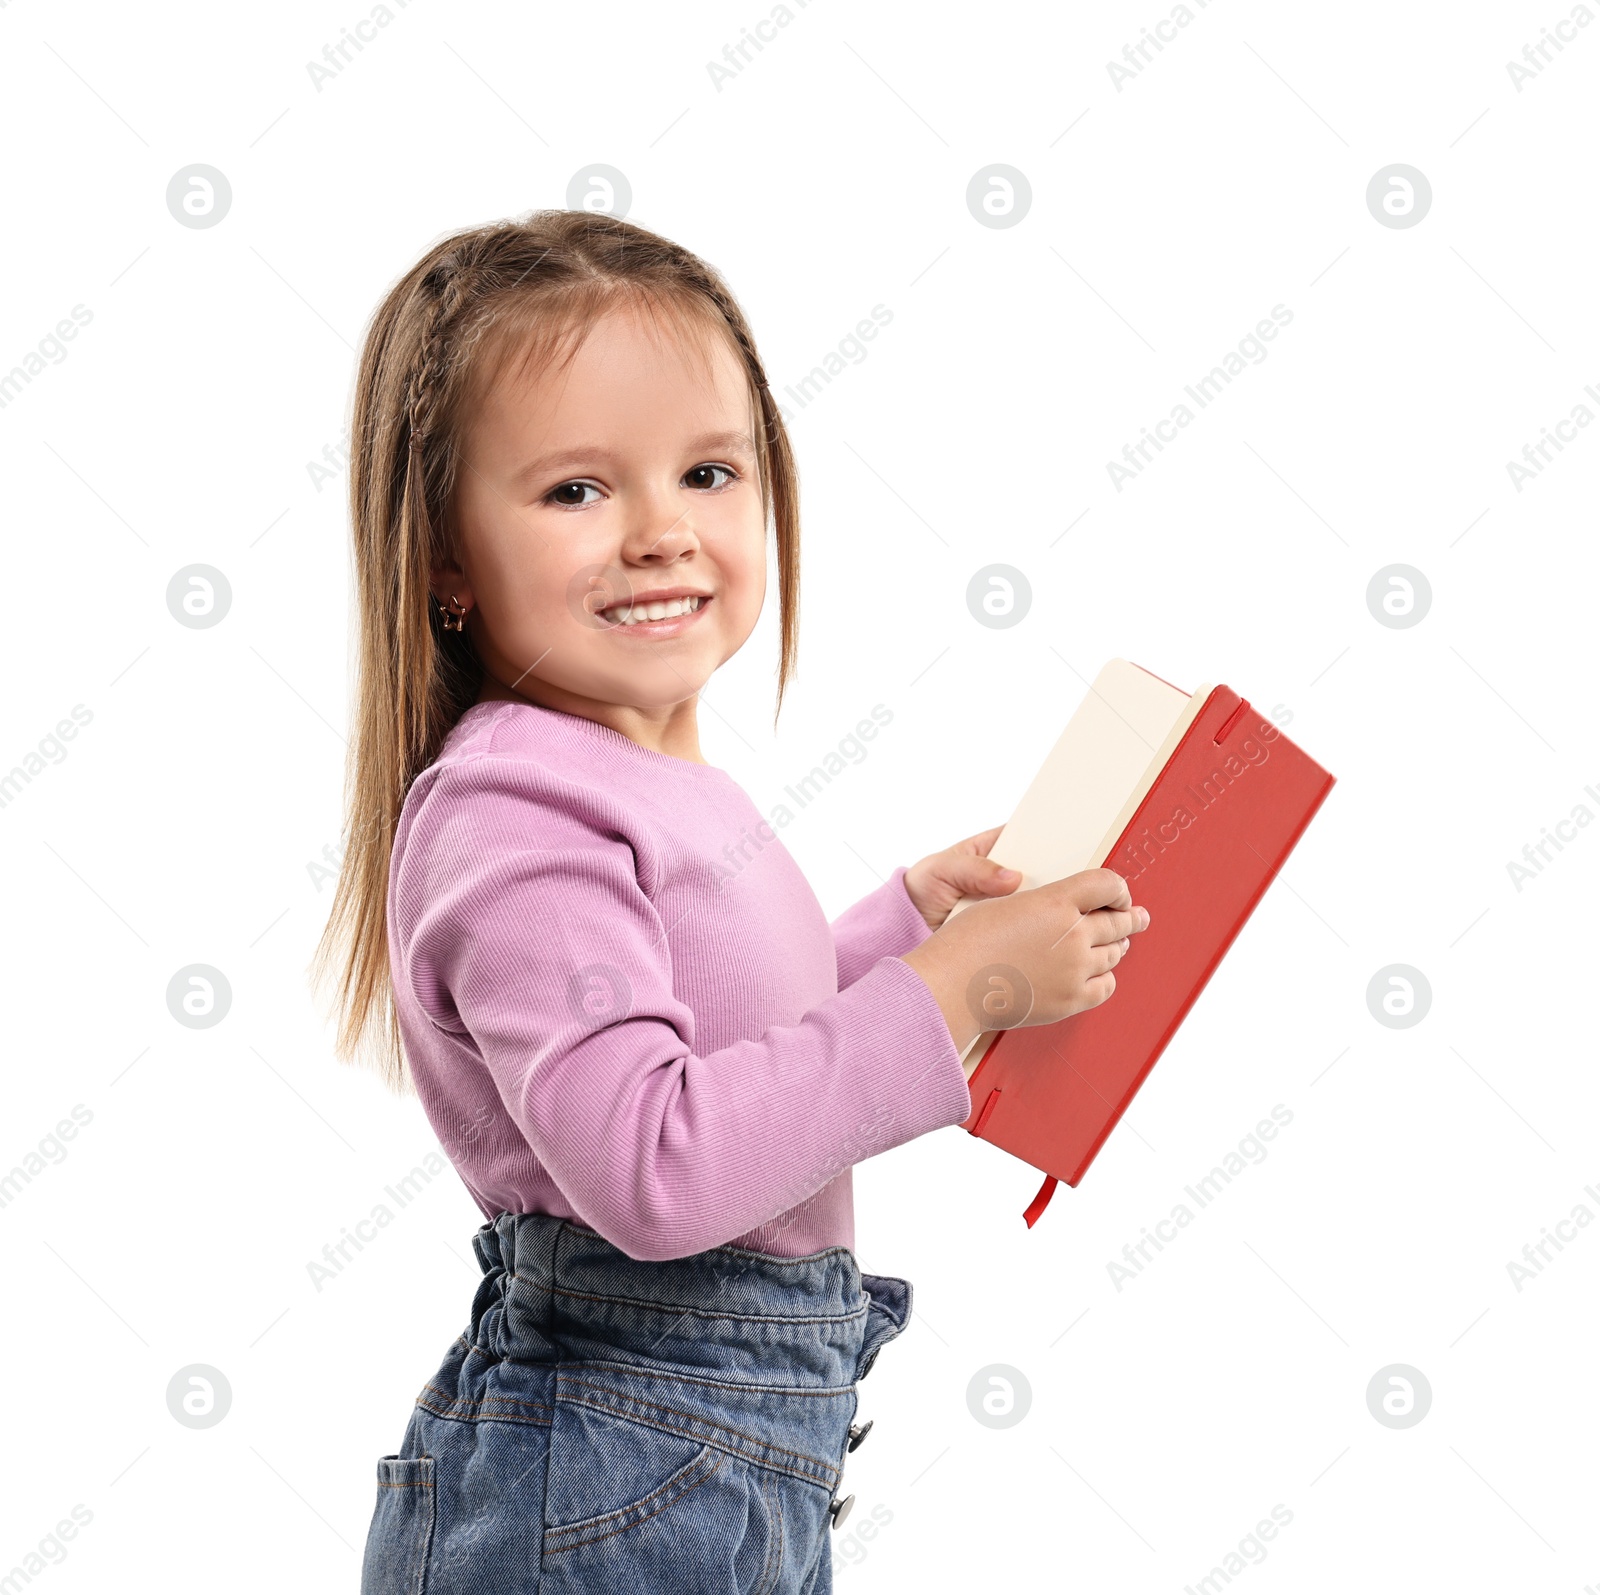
[656, 611]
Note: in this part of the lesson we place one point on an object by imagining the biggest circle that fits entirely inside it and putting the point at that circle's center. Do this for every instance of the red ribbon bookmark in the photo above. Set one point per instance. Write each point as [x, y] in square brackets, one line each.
[1046, 1191]
[1041, 1201]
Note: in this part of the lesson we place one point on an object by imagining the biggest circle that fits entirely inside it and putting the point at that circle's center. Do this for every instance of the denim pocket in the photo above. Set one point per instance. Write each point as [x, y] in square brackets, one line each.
[662, 1500]
[636, 1509]
[632, 1509]
[401, 1534]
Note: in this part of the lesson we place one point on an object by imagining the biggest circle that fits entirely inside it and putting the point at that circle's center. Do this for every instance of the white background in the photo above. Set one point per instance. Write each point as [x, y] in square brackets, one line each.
[1168, 216]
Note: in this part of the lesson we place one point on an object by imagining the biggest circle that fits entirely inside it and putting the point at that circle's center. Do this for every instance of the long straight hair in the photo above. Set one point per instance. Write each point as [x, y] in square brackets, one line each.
[527, 289]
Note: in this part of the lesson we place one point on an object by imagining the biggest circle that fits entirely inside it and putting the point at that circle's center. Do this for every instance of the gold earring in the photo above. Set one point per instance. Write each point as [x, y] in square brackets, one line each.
[454, 618]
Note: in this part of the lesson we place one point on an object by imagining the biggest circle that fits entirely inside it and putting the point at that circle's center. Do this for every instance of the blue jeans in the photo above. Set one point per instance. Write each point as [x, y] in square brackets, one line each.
[616, 1427]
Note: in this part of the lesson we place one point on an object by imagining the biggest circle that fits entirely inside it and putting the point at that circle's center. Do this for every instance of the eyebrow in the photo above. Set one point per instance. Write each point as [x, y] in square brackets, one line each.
[730, 441]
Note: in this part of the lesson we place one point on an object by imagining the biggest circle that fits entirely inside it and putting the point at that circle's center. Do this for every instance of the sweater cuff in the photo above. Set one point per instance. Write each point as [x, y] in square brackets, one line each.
[921, 1069]
[907, 918]
[885, 923]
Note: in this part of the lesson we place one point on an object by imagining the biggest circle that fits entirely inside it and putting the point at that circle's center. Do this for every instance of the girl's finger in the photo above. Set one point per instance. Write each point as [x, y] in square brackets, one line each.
[1111, 925]
[983, 841]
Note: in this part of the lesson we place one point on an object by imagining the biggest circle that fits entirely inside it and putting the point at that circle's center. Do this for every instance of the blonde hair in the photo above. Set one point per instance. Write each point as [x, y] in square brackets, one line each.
[447, 329]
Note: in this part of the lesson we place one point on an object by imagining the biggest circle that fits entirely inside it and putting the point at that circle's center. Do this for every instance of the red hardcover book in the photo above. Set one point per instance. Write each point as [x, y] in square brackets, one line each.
[1196, 799]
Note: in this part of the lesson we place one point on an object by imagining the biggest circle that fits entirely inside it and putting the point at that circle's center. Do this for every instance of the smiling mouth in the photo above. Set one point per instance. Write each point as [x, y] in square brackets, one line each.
[665, 617]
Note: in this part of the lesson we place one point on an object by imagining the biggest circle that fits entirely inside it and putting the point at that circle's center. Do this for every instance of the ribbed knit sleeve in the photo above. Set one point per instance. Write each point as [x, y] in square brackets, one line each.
[532, 935]
[885, 923]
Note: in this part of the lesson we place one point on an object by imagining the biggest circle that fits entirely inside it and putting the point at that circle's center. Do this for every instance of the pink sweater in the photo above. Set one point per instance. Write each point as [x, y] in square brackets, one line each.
[622, 1003]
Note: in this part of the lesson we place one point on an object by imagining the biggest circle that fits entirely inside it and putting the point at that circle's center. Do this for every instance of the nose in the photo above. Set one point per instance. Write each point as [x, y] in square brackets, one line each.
[661, 530]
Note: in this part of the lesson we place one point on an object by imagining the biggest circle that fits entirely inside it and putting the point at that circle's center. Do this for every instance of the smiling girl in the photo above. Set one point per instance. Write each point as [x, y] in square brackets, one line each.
[651, 1058]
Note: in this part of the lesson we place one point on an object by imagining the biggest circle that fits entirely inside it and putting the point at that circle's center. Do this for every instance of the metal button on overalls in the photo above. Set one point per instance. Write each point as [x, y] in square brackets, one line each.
[839, 1510]
[858, 1433]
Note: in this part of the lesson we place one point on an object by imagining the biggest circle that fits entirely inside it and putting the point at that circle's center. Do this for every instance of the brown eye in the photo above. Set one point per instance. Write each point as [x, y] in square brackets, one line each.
[700, 470]
[554, 496]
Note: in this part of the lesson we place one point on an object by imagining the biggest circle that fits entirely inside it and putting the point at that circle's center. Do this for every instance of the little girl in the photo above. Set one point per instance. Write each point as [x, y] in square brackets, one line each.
[650, 1057]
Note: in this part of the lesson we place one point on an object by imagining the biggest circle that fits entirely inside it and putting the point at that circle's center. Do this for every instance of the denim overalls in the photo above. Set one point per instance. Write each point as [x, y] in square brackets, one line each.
[617, 1427]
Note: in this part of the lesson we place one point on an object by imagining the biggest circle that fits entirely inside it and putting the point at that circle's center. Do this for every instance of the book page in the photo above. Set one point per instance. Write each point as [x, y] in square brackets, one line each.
[1153, 770]
[1099, 770]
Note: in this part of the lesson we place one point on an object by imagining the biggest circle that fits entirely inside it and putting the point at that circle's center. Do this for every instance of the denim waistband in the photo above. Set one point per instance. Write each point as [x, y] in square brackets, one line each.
[554, 1290]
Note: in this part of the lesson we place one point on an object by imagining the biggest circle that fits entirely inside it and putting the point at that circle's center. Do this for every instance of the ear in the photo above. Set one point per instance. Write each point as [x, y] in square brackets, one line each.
[445, 580]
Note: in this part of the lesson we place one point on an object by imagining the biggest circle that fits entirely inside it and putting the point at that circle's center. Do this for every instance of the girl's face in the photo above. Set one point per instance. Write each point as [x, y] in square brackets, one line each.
[628, 475]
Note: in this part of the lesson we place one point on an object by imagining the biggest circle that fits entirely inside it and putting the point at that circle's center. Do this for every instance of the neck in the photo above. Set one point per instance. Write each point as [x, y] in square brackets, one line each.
[668, 728]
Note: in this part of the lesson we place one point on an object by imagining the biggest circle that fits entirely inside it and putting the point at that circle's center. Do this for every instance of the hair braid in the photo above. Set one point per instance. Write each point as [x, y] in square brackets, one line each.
[707, 281]
[448, 287]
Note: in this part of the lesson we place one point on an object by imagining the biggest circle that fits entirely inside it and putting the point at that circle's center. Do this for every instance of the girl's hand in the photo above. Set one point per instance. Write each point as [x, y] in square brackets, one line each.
[938, 882]
[1042, 954]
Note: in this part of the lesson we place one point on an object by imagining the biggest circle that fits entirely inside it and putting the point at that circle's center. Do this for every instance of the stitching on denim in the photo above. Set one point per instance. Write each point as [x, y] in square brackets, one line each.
[765, 1446]
[468, 1412]
[771, 1492]
[514, 1401]
[763, 1586]
[664, 1370]
[741, 1251]
[728, 1247]
[659, 1406]
[706, 1454]
[679, 1308]
[777, 1495]
[777, 1566]
[784, 1262]
[507, 1401]
[716, 1462]
[653, 1371]
[458, 1408]
[767, 1463]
